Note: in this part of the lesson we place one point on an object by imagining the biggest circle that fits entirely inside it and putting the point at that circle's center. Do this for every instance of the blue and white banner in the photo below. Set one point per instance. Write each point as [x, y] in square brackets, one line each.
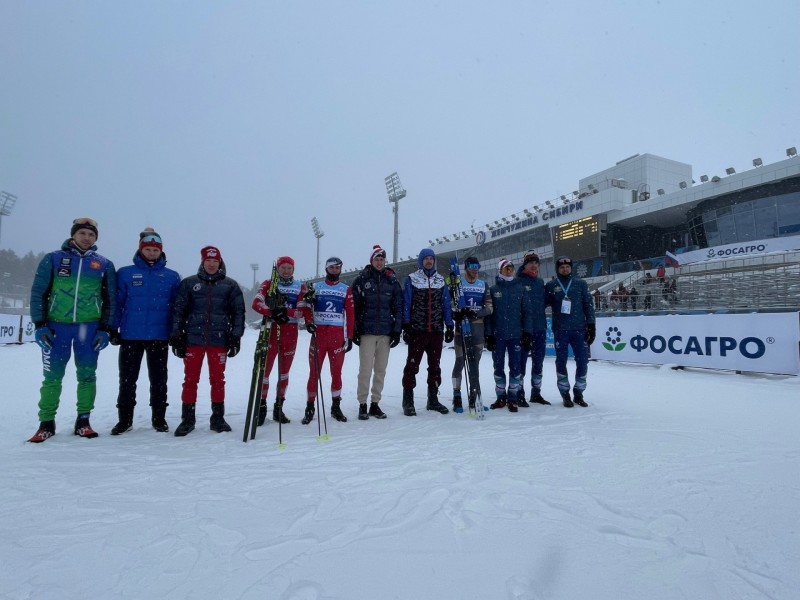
[740, 250]
[762, 343]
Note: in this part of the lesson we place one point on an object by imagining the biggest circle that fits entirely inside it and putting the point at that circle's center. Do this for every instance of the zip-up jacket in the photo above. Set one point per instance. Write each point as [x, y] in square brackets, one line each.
[145, 299]
[426, 302]
[71, 286]
[209, 309]
[378, 302]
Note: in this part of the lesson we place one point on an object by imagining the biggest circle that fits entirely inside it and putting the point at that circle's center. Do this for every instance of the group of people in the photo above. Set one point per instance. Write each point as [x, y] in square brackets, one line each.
[81, 304]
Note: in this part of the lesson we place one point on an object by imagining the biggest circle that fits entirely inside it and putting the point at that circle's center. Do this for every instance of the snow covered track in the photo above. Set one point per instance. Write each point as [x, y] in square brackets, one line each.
[672, 484]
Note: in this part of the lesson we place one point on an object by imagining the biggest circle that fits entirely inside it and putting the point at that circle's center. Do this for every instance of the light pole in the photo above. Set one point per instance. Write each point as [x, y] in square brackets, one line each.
[395, 191]
[318, 233]
[254, 266]
[7, 202]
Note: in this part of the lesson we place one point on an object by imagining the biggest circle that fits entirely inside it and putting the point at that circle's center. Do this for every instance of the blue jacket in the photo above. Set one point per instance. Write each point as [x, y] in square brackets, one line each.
[581, 309]
[534, 290]
[145, 298]
[512, 314]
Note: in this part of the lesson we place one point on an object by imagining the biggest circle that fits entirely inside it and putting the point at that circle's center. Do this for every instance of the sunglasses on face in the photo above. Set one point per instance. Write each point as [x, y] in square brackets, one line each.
[473, 266]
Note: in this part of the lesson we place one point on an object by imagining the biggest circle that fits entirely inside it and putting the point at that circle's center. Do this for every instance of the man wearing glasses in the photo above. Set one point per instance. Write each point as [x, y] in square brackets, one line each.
[73, 304]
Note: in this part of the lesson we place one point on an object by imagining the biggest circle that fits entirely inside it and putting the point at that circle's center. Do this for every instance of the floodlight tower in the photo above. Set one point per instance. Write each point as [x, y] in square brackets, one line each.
[318, 233]
[7, 202]
[395, 191]
[254, 266]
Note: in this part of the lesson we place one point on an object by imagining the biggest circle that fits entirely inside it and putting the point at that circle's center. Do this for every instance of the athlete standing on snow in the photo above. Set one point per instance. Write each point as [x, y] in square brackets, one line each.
[73, 304]
[285, 317]
[331, 320]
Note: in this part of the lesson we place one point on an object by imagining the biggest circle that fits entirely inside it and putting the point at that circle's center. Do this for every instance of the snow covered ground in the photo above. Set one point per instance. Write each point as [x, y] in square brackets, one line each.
[672, 484]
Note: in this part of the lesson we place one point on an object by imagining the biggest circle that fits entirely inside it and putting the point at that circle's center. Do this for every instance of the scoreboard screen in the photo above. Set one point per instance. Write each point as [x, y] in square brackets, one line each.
[580, 240]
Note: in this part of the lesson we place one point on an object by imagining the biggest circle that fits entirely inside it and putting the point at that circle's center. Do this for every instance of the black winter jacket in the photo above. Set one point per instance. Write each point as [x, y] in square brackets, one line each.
[378, 302]
[209, 309]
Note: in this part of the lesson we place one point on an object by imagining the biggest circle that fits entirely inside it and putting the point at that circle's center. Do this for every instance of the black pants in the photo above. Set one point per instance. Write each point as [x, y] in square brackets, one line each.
[130, 362]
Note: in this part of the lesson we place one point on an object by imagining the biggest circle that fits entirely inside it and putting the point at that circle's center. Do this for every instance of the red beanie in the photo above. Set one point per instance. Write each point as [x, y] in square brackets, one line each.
[210, 252]
[284, 260]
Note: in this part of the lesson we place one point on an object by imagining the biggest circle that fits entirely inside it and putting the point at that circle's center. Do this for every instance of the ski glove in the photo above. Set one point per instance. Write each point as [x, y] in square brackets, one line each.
[408, 334]
[280, 316]
[348, 346]
[394, 339]
[356, 338]
[526, 342]
[44, 337]
[310, 327]
[491, 343]
[101, 340]
[178, 343]
[234, 345]
[590, 333]
[449, 334]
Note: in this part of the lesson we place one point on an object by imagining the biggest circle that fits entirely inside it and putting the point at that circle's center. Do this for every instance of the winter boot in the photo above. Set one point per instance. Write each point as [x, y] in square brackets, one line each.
[277, 411]
[536, 398]
[499, 403]
[336, 410]
[125, 420]
[408, 403]
[187, 420]
[375, 411]
[309, 415]
[579, 399]
[82, 427]
[47, 429]
[521, 399]
[159, 418]
[363, 415]
[217, 420]
[512, 406]
[457, 406]
[567, 400]
[433, 402]
[262, 412]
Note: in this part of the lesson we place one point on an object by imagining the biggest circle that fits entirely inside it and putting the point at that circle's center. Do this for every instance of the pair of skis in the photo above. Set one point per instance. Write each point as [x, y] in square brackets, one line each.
[472, 379]
[260, 360]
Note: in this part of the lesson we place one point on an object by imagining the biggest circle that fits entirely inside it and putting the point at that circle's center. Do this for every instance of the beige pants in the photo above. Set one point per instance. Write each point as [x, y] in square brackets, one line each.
[373, 356]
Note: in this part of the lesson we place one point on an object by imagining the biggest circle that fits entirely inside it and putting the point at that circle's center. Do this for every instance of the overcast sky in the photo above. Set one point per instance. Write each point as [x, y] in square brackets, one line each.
[234, 123]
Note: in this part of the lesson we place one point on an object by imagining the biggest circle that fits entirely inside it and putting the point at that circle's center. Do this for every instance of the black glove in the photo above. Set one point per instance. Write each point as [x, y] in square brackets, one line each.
[408, 334]
[280, 316]
[348, 346]
[590, 333]
[310, 327]
[394, 339]
[234, 344]
[527, 342]
[113, 337]
[356, 338]
[449, 334]
[178, 343]
[469, 314]
[491, 343]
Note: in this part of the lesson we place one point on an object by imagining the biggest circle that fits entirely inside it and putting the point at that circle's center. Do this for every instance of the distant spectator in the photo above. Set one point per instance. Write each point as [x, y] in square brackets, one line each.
[647, 300]
[660, 274]
[647, 278]
[634, 297]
